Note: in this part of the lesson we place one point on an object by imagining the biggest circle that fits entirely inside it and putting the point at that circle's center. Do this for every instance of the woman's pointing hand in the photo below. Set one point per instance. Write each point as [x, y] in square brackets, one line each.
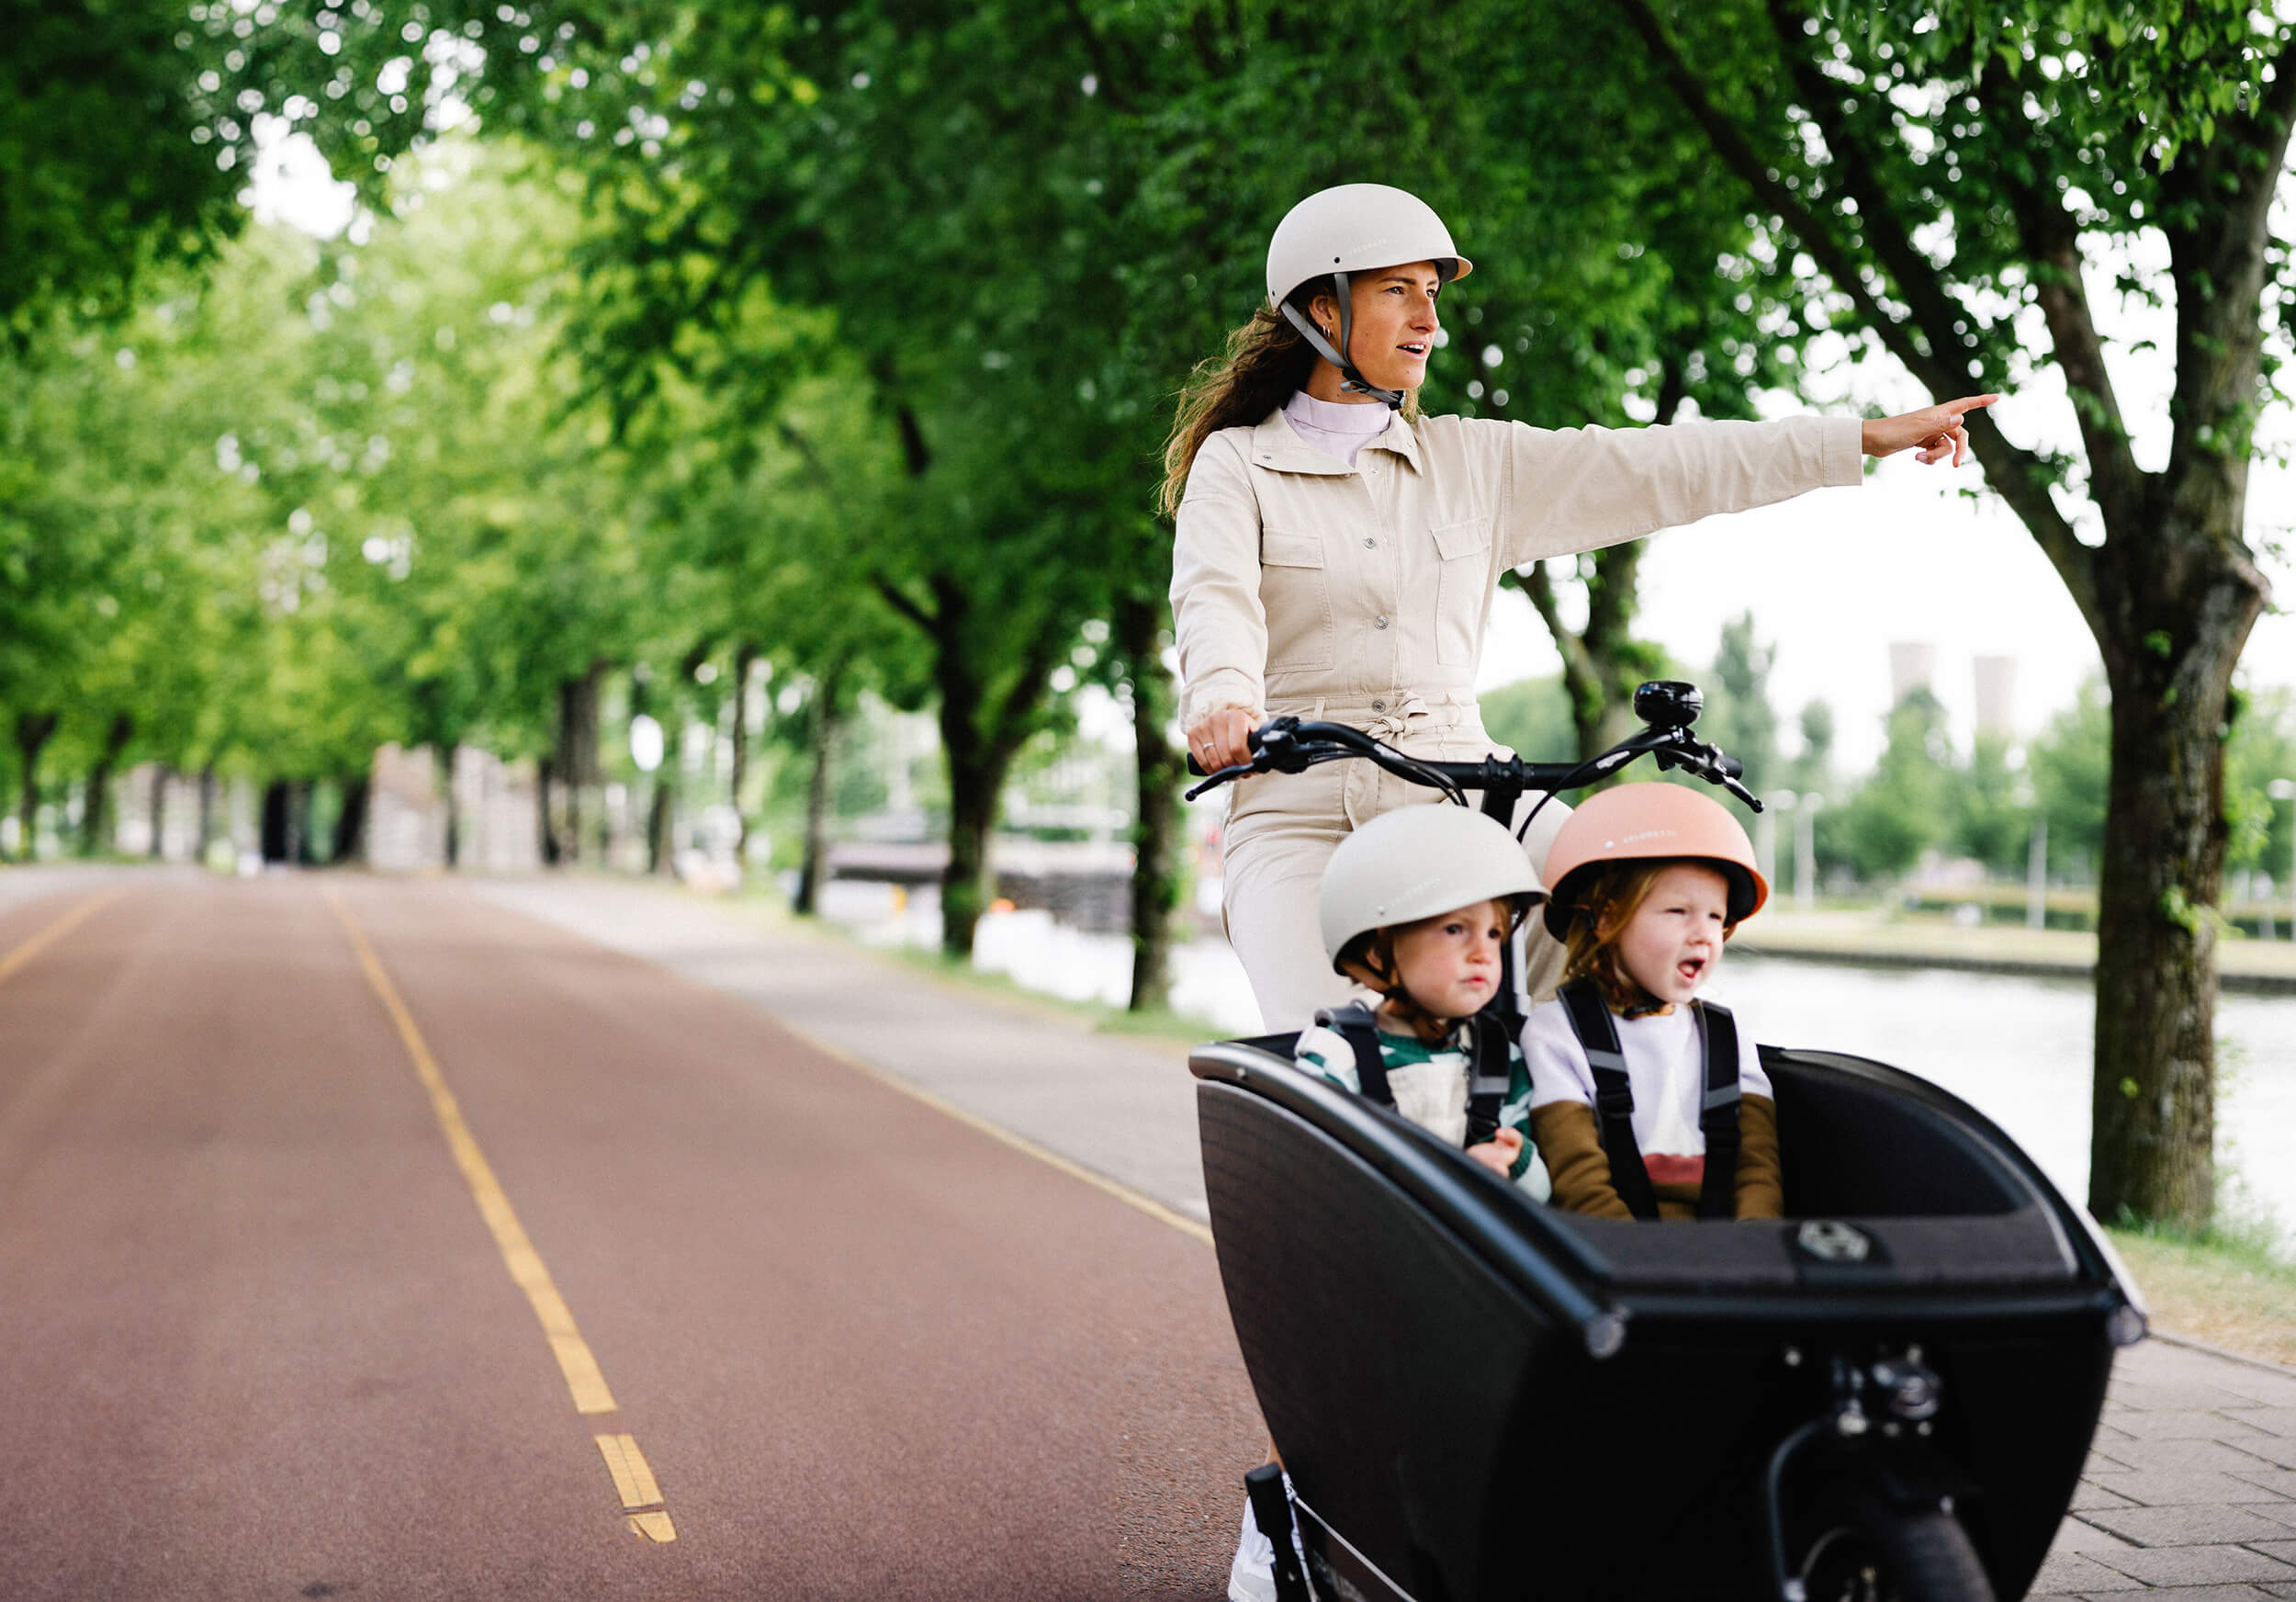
[1938, 432]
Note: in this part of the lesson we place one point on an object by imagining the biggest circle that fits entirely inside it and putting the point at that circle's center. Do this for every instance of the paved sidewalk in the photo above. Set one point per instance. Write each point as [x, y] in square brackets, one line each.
[2192, 1489]
[2191, 1485]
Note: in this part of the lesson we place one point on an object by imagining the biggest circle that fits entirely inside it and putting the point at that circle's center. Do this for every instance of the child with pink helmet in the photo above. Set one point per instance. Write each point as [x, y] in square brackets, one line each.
[1648, 1101]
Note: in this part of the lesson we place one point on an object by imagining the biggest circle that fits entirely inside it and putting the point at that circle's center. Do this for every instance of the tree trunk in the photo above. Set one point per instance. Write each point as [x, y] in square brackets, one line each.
[546, 827]
[303, 850]
[977, 766]
[812, 868]
[2153, 1101]
[350, 842]
[32, 731]
[161, 773]
[574, 760]
[277, 831]
[452, 844]
[660, 819]
[207, 811]
[745, 658]
[95, 809]
[967, 883]
[1159, 772]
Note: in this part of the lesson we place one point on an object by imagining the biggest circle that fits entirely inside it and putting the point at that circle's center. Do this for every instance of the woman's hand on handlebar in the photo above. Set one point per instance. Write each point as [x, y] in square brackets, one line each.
[1937, 430]
[1221, 739]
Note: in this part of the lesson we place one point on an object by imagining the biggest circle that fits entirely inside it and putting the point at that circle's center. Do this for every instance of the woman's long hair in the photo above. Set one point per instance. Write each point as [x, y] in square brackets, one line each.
[1267, 360]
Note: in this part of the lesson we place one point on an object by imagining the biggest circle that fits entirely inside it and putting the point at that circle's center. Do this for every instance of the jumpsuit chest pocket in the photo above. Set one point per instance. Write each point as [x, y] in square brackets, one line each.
[1296, 594]
[1462, 588]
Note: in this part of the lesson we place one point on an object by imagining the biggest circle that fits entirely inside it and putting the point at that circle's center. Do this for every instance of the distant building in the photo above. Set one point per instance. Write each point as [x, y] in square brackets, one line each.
[1997, 695]
[1912, 666]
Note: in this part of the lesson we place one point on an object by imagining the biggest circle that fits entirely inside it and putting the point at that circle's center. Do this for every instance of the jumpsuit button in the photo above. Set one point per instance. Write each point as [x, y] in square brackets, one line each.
[1380, 621]
[1378, 706]
[1375, 472]
[1370, 544]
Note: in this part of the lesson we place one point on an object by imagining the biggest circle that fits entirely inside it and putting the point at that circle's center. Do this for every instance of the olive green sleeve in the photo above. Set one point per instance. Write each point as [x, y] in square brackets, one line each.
[1576, 1167]
[1760, 1185]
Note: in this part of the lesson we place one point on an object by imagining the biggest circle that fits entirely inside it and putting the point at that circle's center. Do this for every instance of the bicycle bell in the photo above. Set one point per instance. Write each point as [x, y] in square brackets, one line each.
[1669, 702]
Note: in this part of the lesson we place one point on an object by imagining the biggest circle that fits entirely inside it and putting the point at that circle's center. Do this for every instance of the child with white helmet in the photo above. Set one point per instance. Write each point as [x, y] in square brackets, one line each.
[1646, 1101]
[1418, 906]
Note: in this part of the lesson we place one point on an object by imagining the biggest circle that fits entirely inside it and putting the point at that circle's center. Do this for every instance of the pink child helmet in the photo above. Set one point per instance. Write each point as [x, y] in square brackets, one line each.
[1638, 823]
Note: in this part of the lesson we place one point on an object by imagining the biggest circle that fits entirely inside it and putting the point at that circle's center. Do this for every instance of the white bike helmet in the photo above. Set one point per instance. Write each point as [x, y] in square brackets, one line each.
[1352, 229]
[1415, 862]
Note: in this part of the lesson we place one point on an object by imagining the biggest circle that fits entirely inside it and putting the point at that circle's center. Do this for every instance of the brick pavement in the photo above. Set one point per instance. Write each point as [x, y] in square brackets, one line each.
[2191, 1490]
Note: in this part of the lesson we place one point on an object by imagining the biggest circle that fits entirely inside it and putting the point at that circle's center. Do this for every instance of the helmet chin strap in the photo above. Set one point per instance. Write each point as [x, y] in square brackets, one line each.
[1349, 379]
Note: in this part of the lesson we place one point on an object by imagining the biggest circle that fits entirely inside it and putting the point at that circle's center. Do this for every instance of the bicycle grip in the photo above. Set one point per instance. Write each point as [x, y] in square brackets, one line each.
[1198, 770]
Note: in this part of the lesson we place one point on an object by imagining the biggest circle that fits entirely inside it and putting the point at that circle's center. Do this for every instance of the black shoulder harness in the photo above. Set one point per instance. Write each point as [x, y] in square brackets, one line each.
[1487, 1064]
[1614, 1101]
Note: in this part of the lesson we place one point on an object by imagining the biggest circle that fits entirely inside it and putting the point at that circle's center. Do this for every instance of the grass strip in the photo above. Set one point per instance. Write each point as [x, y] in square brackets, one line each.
[2225, 1287]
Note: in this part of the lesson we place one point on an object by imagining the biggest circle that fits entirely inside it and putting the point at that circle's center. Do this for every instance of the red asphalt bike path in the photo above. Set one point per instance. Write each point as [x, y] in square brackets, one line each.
[259, 1339]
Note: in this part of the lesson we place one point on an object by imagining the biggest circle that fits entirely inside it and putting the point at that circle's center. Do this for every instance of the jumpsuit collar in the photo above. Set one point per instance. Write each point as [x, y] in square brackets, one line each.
[1277, 446]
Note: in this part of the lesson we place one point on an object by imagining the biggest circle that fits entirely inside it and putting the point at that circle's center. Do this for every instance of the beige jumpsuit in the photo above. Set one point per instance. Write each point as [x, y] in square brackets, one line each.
[1359, 593]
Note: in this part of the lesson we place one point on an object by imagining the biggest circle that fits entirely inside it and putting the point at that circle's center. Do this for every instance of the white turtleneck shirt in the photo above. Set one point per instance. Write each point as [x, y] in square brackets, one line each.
[1337, 428]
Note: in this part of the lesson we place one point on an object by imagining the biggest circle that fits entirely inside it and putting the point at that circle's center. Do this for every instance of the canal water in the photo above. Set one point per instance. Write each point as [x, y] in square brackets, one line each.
[2017, 1049]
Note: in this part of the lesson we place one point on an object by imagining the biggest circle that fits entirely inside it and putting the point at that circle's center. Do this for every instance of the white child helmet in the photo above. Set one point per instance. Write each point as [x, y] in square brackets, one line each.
[1352, 228]
[1415, 862]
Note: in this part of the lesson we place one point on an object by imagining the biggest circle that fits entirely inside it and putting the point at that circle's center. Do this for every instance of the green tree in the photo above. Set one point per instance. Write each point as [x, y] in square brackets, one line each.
[1739, 715]
[1531, 718]
[2070, 761]
[1991, 820]
[109, 166]
[2262, 750]
[1936, 176]
[1902, 808]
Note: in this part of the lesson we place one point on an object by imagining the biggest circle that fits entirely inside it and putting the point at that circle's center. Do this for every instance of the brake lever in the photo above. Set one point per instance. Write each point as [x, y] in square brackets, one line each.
[1214, 780]
[1708, 762]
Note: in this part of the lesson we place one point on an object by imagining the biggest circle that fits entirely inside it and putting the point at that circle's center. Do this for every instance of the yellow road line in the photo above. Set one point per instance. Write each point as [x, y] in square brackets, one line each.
[575, 1361]
[56, 931]
[633, 1477]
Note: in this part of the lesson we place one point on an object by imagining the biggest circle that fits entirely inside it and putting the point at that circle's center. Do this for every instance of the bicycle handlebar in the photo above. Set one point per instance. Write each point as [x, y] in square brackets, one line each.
[1288, 745]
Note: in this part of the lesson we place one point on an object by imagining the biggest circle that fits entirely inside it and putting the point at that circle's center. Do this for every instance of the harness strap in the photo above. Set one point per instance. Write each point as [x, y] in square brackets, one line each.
[1718, 1114]
[1349, 378]
[1354, 1024]
[1614, 1096]
[1487, 1075]
[1487, 1072]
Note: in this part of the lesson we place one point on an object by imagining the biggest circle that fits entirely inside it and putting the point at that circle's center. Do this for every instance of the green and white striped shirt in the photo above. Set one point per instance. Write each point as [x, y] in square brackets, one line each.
[1429, 1084]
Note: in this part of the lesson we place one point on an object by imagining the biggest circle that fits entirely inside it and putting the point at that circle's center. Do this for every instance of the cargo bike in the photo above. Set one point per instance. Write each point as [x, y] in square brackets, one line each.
[1887, 1396]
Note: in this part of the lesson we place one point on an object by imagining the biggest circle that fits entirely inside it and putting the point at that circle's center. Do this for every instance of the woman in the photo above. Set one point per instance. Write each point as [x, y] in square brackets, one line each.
[1337, 550]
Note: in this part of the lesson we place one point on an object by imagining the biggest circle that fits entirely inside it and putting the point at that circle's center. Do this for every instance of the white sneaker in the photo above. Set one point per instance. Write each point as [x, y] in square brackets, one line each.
[1252, 1572]
[1252, 1575]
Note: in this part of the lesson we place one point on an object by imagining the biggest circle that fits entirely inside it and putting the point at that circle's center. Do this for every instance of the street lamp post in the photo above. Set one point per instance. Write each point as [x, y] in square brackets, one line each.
[2037, 876]
[1766, 835]
[1805, 849]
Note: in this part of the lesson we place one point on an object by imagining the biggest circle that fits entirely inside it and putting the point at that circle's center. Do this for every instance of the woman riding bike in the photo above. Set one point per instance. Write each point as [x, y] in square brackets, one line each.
[1337, 548]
